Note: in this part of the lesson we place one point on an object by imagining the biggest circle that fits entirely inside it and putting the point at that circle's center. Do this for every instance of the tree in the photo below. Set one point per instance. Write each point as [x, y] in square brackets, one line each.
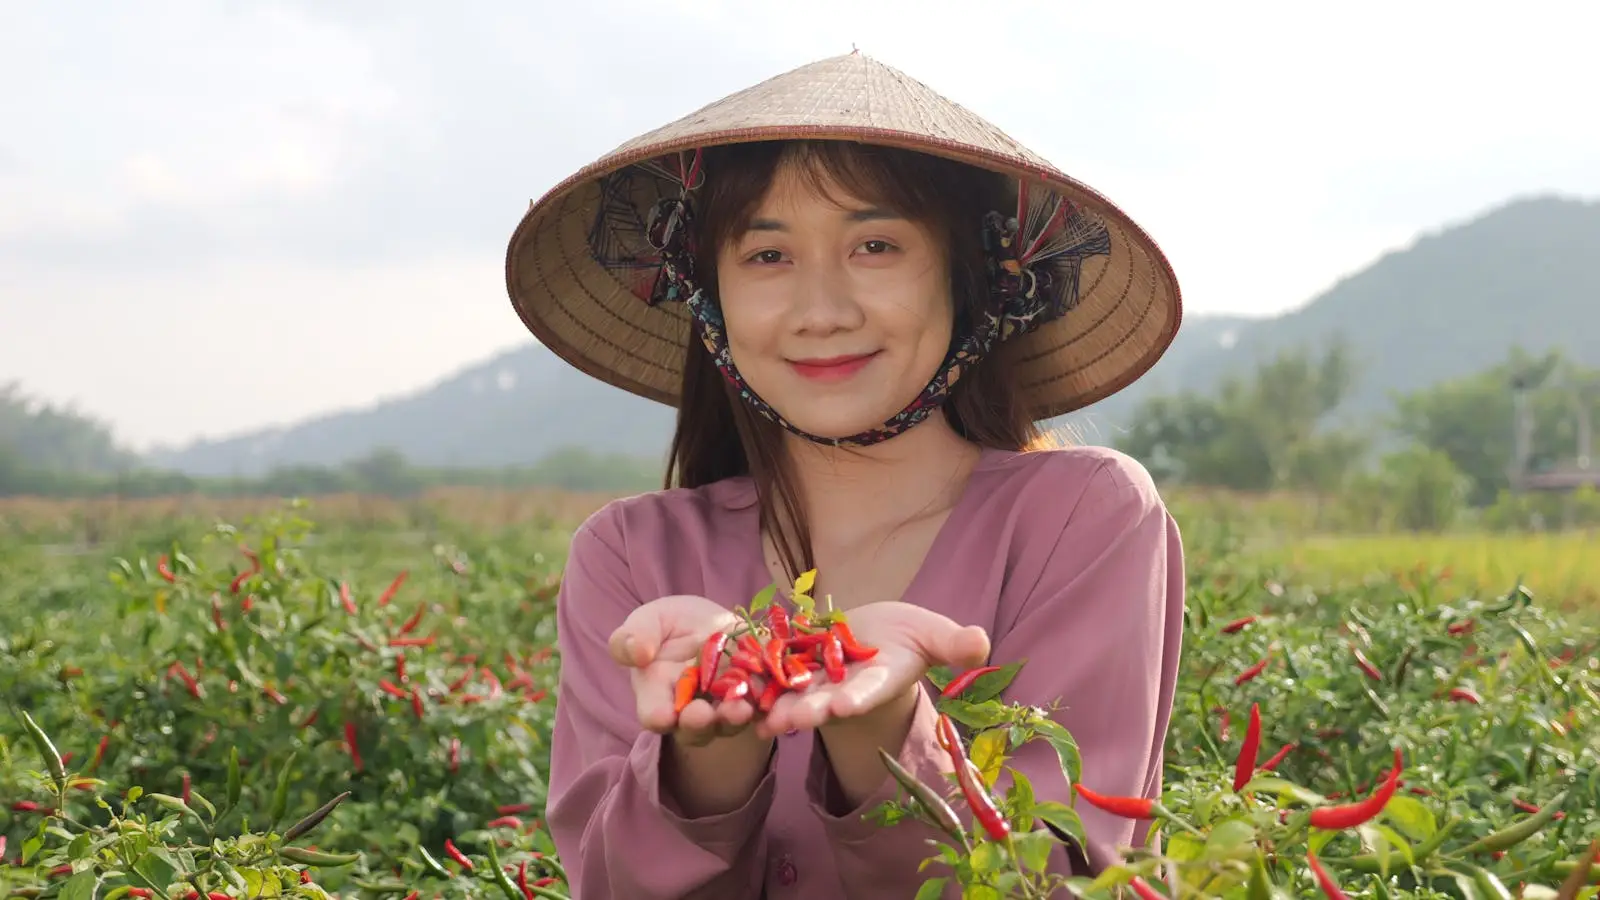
[1268, 430]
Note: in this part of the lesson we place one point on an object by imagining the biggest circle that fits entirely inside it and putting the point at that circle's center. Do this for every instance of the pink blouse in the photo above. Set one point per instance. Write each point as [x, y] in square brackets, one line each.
[1066, 557]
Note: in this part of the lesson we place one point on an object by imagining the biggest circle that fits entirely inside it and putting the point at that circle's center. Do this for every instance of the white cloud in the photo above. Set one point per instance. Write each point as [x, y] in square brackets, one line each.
[222, 216]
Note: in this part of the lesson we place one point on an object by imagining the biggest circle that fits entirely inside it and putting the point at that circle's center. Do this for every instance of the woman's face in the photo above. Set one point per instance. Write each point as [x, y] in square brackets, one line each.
[837, 312]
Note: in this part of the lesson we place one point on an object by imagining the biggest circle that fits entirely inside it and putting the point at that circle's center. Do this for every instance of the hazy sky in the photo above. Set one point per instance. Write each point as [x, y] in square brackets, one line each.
[215, 216]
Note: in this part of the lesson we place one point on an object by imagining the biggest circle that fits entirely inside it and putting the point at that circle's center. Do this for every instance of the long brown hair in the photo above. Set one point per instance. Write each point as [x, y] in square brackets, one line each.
[719, 436]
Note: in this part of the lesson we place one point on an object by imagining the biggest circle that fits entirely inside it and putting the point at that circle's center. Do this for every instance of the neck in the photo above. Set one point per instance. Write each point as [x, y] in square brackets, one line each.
[852, 492]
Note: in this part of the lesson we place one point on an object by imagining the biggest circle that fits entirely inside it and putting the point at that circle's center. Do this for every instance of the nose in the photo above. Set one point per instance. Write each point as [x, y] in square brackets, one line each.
[824, 301]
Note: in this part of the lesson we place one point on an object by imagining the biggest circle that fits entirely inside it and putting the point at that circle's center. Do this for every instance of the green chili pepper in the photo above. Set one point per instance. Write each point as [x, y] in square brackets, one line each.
[316, 857]
[501, 879]
[943, 816]
[280, 797]
[1518, 832]
[235, 785]
[52, 759]
[303, 826]
[432, 864]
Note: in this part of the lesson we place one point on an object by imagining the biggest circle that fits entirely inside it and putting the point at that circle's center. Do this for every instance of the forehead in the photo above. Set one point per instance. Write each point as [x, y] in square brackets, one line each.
[799, 188]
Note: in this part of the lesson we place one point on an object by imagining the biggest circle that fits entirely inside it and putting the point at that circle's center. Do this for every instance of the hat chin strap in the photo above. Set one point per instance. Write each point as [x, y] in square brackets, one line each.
[963, 355]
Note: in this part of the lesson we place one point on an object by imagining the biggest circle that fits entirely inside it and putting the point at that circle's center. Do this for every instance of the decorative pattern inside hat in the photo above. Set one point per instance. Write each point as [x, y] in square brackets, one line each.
[1034, 257]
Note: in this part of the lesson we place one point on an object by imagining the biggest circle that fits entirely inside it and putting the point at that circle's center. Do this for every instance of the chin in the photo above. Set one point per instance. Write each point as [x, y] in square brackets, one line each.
[835, 419]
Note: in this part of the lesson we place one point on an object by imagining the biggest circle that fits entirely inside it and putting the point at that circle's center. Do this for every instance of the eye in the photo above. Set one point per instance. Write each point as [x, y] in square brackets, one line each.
[877, 247]
[766, 256]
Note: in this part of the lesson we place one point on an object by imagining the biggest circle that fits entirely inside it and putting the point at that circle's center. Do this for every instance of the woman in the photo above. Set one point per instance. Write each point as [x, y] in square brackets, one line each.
[829, 277]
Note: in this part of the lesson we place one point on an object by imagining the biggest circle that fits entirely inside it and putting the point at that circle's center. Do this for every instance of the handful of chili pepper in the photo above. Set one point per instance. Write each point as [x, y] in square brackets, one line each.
[762, 661]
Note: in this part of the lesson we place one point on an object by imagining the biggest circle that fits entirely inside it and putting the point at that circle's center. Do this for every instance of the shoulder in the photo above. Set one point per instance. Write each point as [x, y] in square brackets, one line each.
[664, 521]
[1071, 482]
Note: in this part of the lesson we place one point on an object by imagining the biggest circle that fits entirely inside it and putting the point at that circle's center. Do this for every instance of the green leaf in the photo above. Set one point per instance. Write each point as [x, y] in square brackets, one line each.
[1411, 816]
[988, 753]
[197, 797]
[941, 676]
[805, 582]
[79, 848]
[988, 857]
[1286, 790]
[1229, 838]
[987, 715]
[763, 598]
[1033, 849]
[982, 892]
[1019, 801]
[1066, 748]
[1064, 818]
[1109, 877]
[29, 848]
[157, 868]
[932, 889]
[1183, 847]
[80, 886]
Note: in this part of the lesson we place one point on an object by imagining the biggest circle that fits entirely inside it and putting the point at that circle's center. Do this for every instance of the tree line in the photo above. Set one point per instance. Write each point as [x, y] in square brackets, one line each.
[1449, 447]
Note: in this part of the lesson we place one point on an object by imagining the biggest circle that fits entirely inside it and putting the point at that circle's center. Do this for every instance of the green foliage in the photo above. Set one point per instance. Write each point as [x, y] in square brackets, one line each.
[1492, 701]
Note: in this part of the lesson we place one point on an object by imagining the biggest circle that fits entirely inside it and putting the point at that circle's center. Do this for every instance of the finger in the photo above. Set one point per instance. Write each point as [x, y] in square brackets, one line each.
[733, 716]
[967, 647]
[637, 639]
[943, 642]
[654, 690]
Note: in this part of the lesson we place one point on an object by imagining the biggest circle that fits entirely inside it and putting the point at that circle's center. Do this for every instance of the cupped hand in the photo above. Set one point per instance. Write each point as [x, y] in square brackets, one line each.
[910, 641]
[657, 642]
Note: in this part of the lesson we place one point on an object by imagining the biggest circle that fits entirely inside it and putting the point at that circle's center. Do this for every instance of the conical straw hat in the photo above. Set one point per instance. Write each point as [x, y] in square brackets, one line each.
[578, 266]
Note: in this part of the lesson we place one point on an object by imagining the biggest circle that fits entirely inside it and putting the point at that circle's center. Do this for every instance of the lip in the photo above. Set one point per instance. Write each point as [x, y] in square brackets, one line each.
[833, 368]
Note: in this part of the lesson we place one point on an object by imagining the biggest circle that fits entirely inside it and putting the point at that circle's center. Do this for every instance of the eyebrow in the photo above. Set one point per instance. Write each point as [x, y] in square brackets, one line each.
[869, 214]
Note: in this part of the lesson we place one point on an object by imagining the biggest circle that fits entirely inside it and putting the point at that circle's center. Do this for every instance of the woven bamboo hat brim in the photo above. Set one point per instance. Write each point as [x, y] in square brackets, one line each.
[586, 307]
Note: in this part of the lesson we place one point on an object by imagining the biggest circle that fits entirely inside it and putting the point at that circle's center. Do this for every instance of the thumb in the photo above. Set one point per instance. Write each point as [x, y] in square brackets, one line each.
[638, 638]
[966, 647]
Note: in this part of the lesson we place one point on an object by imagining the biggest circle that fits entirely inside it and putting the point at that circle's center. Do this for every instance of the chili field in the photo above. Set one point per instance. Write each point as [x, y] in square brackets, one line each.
[355, 700]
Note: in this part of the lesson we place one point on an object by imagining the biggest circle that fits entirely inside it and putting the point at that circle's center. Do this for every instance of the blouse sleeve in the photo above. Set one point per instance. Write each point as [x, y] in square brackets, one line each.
[1101, 631]
[606, 811]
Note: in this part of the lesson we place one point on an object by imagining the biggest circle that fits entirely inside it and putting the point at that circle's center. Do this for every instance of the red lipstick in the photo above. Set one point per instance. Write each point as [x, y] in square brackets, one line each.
[833, 368]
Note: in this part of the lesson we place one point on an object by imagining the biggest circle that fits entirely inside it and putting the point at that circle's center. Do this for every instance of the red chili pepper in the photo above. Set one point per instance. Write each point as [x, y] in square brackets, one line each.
[684, 693]
[416, 705]
[545, 881]
[345, 598]
[1250, 673]
[400, 667]
[411, 642]
[461, 682]
[854, 650]
[1144, 890]
[1272, 761]
[455, 754]
[1127, 807]
[948, 738]
[960, 683]
[1245, 765]
[772, 657]
[394, 690]
[1527, 807]
[350, 744]
[139, 892]
[979, 801]
[393, 588]
[512, 809]
[1350, 815]
[457, 855]
[186, 787]
[1238, 625]
[411, 624]
[165, 569]
[522, 881]
[798, 673]
[710, 659]
[747, 663]
[833, 657]
[1366, 664]
[1330, 888]
[1465, 695]
[731, 686]
[25, 806]
[504, 822]
[100, 751]
[1460, 627]
[778, 621]
[769, 696]
[238, 581]
[808, 641]
[189, 681]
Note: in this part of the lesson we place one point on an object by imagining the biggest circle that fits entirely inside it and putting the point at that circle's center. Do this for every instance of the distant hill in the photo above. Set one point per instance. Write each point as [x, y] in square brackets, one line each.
[1452, 303]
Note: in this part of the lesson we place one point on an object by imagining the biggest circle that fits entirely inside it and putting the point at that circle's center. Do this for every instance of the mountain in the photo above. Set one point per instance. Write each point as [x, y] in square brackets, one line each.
[1452, 303]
